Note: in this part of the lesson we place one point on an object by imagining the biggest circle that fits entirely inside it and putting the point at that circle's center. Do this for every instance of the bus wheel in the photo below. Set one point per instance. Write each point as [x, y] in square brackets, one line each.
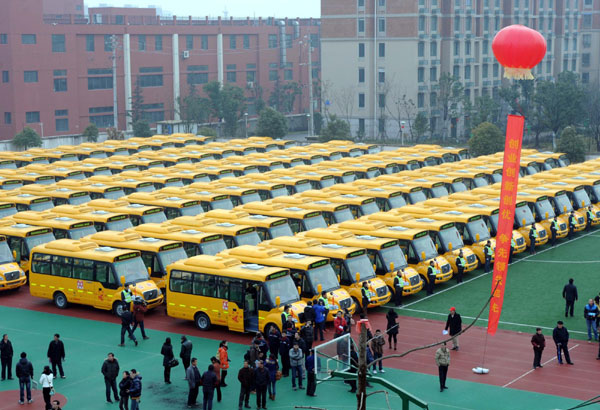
[118, 308]
[268, 328]
[202, 321]
[60, 300]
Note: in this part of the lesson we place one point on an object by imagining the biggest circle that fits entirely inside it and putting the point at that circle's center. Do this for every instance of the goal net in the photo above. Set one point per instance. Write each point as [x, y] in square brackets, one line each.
[333, 356]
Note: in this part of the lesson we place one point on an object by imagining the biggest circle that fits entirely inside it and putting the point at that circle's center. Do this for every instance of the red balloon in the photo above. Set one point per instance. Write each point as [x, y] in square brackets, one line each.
[518, 49]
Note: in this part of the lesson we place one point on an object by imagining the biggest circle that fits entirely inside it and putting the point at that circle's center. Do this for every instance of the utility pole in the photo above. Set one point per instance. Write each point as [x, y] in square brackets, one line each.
[311, 119]
[361, 394]
[114, 44]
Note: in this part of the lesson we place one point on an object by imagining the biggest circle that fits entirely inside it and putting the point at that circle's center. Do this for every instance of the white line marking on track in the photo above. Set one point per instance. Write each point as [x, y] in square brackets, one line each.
[532, 370]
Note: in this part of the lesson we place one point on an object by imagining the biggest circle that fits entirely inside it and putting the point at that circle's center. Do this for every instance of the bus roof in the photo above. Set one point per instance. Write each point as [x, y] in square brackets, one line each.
[86, 250]
[8, 227]
[274, 257]
[347, 238]
[294, 244]
[51, 219]
[228, 267]
[174, 232]
[132, 240]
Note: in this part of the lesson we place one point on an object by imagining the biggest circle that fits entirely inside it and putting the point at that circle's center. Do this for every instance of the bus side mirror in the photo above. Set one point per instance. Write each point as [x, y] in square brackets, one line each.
[320, 288]
[357, 277]
[437, 246]
[149, 271]
[14, 254]
[299, 290]
[277, 300]
[122, 278]
[477, 237]
[565, 209]
[583, 203]
[423, 255]
[546, 215]
[338, 278]
[391, 266]
[450, 246]
[375, 267]
[525, 222]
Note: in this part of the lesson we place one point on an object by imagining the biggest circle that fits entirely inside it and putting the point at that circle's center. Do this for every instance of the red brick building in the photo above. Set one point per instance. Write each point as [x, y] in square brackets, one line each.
[57, 69]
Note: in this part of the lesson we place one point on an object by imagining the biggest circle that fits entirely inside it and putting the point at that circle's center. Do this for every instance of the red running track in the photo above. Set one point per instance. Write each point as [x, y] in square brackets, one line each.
[508, 354]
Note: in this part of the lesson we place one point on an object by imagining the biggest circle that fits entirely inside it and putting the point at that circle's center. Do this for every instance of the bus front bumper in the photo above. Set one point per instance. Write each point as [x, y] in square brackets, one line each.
[13, 284]
[444, 276]
[155, 302]
[412, 289]
[380, 300]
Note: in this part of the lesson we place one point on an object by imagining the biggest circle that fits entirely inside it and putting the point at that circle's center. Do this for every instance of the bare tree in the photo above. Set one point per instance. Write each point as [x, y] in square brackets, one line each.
[344, 100]
[450, 100]
[401, 108]
[326, 94]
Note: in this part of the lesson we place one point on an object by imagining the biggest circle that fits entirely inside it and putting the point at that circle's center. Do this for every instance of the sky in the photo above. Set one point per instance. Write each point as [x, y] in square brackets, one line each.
[233, 8]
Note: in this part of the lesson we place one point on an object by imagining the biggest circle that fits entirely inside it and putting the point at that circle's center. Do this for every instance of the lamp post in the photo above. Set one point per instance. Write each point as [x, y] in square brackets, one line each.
[402, 132]
[246, 121]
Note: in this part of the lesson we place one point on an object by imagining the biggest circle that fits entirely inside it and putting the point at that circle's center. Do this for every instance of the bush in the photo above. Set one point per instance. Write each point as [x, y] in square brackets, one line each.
[27, 138]
[114, 134]
[336, 129]
[487, 139]
[207, 132]
[141, 129]
[271, 123]
[91, 133]
[572, 144]
[318, 122]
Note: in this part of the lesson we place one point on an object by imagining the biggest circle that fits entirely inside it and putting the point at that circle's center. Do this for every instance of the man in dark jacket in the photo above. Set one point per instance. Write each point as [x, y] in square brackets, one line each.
[56, 354]
[274, 340]
[308, 335]
[186, 352]
[24, 372]
[431, 276]
[311, 376]
[569, 294]
[193, 378]
[126, 321]
[246, 378]
[572, 222]
[139, 309]
[353, 368]
[261, 380]
[560, 334]
[209, 383]
[454, 326]
[309, 313]
[591, 313]
[539, 343]
[135, 392]
[284, 351]
[6, 355]
[110, 371]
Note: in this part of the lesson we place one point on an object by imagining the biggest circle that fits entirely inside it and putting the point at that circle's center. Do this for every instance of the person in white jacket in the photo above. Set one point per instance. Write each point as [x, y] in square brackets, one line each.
[46, 382]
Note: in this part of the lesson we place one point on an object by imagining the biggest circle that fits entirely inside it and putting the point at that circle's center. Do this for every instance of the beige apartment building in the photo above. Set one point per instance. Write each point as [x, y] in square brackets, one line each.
[379, 54]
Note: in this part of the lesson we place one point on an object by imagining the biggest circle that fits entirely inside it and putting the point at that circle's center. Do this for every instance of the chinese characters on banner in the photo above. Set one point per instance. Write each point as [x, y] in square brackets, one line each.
[508, 197]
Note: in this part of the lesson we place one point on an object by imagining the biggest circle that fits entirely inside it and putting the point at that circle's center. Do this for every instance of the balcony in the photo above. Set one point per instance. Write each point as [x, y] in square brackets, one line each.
[423, 88]
[458, 61]
[486, 83]
[487, 59]
[469, 60]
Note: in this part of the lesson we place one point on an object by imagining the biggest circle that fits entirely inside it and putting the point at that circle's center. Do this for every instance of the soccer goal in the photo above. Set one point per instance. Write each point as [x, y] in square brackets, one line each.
[331, 356]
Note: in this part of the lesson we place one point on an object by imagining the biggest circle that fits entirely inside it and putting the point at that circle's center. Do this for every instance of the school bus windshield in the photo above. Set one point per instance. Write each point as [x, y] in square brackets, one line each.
[313, 222]
[224, 203]
[581, 197]
[394, 255]
[522, 212]
[424, 244]
[133, 269]
[480, 181]
[451, 235]
[79, 233]
[477, 227]
[191, 210]
[6, 255]
[417, 196]
[78, 200]
[562, 202]
[459, 186]
[114, 194]
[326, 183]
[283, 287]
[324, 276]
[7, 211]
[33, 241]
[397, 201]
[119, 225]
[279, 192]
[362, 265]
[280, 230]
[39, 206]
[213, 247]
[156, 217]
[343, 215]
[250, 238]
[173, 255]
[369, 208]
[543, 207]
[439, 191]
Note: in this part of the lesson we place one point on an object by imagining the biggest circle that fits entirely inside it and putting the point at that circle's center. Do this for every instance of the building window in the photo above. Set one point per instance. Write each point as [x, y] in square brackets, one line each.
[381, 25]
[108, 43]
[58, 43]
[361, 126]
[361, 100]
[231, 76]
[62, 124]
[381, 49]
[381, 125]
[573, 65]
[4, 39]
[433, 49]
[204, 42]
[587, 21]
[104, 117]
[421, 74]
[273, 76]
[587, 40]
[288, 75]
[197, 78]
[32, 117]
[486, 23]
[272, 40]
[485, 45]
[233, 42]
[314, 40]
[549, 45]
[467, 48]
[381, 76]
[361, 3]
[421, 23]
[484, 71]
[246, 41]
[456, 48]
[434, 24]
[5, 76]
[421, 49]
[231, 67]
[575, 44]
[548, 67]
[158, 43]
[250, 76]
[549, 23]
[361, 25]
[456, 71]
[550, 4]
[28, 39]
[496, 70]
[60, 85]
[420, 100]
[381, 3]
[585, 79]
[30, 76]
[566, 44]
[585, 60]
[89, 43]
[61, 113]
[142, 42]
[565, 64]
[361, 75]
[433, 74]
[468, 24]
[287, 38]
[100, 83]
[189, 42]
[467, 72]
[588, 2]
[151, 80]
[457, 23]
[433, 100]
[7, 118]
[361, 50]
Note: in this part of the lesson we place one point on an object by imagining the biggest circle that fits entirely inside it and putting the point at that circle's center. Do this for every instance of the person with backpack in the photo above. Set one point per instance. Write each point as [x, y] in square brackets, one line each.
[224, 360]
[126, 321]
[377, 344]
[24, 372]
[46, 383]
[124, 388]
[167, 352]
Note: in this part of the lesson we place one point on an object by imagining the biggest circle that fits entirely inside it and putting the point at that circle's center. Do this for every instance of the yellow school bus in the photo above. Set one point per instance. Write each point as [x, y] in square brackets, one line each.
[174, 206]
[129, 185]
[543, 214]
[579, 198]
[11, 274]
[54, 155]
[157, 254]
[233, 234]
[352, 265]
[560, 201]
[299, 219]
[97, 190]
[212, 290]
[7, 208]
[103, 220]
[267, 227]
[194, 242]
[23, 202]
[138, 214]
[188, 176]
[27, 177]
[68, 271]
[87, 169]
[58, 173]
[311, 274]
[62, 226]
[10, 183]
[384, 253]
[238, 195]
[59, 195]
[266, 189]
[22, 159]
[21, 238]
[331, 212]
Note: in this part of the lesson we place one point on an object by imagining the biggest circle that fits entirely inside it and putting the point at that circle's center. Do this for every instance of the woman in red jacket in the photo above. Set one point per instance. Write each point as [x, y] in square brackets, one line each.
[224, 359]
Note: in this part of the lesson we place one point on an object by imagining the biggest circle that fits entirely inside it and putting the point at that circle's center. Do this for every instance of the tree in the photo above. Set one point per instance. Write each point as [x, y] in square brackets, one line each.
[193, 109]
[336, 129]
[420, 126]
[485, 109]
[344, 100]
[572, 144]
[207, 132]
[91, 133]
[256, 92]
[27, 138]
[114, 134]
[402, 110]
[141, 129]
[227, 104]
[284, 96]
[271, 123]
[449, 100]
[317, 122]
[137, 103]
[486, 139]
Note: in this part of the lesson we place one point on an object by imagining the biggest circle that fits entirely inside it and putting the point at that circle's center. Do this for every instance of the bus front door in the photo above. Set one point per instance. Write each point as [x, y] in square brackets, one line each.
[235, 306]
[251, 306]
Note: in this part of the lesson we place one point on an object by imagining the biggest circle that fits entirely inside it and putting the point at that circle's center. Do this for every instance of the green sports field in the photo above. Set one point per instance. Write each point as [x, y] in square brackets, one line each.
[534, 286]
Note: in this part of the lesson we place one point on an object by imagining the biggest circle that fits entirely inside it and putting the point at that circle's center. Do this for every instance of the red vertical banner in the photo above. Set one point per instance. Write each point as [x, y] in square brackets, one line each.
[508, 197]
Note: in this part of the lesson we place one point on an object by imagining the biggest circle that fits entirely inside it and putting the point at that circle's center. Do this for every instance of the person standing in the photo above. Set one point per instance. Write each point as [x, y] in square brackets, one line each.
[261, 381]
[589, 213]
[569, 294]
[274, 341]
[392, 328]
[296, 362]
[365, 293]
[590, 313]
[246, 379]
[442, 359]
[398, 287]
[353, 368]
[126, 321]
[272, 366]
[24, 372]
[539, 343]
[311, 376]
[127, 297]
[167, 352]
[487, 253]
[110, 371]
[533, 234]
[56, 354]
[454, 326]
[135, 391]
[46, 383]
[339, 324]
[572, 222]
[560, 335]
[309, 313]
[217, 369]
[431, 277]
[185, 354]
[377, 344]
[554, 230]
[513, 244]
[460, 266]
[124, 389]
[6, 355]
[209, 383]
[224, 359]
[285, 316]
[140, 307]
[320, 319]
[193, 379]
[307, 334]
[284, 352]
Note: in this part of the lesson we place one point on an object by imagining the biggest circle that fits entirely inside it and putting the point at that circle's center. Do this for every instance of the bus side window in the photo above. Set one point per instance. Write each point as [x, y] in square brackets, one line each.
[106, 276]
[412, 256]
[229, 242]
[16, 244]
[41, 263]
[263, 302]
[295, 225]
[171, 213]
[223, 288]
[22, 207]
[135, 220]
[191, 249]
[60, 201]
[96, 195]
[251, 297]
[236, 292]
[306, 289]
[262, 234]
[60, 233]
[151, 261]
[83, 269]
[176, 284]
[62, 266]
